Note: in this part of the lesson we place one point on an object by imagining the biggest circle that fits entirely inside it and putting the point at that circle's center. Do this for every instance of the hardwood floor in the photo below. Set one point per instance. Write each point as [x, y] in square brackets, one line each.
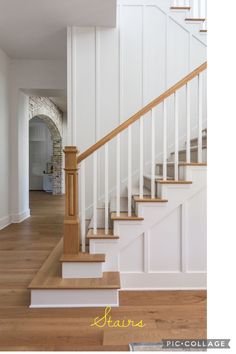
[24, 247]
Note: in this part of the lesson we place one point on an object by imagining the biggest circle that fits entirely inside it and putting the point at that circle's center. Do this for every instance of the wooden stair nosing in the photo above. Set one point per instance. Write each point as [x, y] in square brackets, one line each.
[101, 235]
[49, 276]
[124, 216]
[149, 200]
[83, 257]
[180, 8]
[183, 164]
[197, 19]
[173, 182]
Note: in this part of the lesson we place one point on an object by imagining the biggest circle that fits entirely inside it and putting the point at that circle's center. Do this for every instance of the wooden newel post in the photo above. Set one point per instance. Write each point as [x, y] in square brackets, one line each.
[71, 240]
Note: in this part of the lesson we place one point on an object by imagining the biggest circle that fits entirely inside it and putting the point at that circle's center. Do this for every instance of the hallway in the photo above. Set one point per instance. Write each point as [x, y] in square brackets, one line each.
[24, 247]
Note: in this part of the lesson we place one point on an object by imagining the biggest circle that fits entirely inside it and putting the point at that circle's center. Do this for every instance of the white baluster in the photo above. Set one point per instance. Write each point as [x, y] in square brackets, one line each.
[95, 192]
[106, 189]
[199, 8]
[176, 136]
[164, 141]
[153, 155]
[188, 153]
[141, 158]
[129, 169]
[118, 175]
[82, 191]
[200, 118]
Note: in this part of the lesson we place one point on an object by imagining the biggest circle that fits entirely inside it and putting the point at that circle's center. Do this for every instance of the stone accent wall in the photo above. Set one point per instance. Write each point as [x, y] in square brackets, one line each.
[45, 109]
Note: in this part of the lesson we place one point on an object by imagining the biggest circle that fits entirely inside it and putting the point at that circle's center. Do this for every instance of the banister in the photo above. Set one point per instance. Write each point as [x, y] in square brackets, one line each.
[141, 112]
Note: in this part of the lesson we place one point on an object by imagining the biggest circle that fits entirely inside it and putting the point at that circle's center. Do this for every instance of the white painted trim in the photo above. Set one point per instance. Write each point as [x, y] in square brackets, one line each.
[163, 281]
[5, 221]
[74, 298]
[17, 218]
[79, 270]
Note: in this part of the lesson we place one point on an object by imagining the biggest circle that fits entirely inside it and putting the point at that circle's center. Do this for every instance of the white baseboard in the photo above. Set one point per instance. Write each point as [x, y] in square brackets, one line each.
[5, 221]
[164, 281]
[17, 218]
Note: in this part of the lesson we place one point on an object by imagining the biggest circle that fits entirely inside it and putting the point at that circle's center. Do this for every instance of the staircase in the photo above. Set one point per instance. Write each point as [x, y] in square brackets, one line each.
[119, 247]
[195, 12]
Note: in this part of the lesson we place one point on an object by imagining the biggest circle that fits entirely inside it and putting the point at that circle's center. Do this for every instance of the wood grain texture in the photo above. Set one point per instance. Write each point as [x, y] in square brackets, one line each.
[125, 216]
[101, 235]
[197, 19]
[149, 200]
[187, 8]
[83, 257]
[141, 112]
[22, 328]
[173, 182]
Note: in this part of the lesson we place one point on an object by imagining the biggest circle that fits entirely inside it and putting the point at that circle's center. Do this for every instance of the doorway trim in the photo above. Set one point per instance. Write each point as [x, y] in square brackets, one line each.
[44, 109]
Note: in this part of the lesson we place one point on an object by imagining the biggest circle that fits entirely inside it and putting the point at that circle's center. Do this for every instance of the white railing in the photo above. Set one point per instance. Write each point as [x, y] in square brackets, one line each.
[170, 99]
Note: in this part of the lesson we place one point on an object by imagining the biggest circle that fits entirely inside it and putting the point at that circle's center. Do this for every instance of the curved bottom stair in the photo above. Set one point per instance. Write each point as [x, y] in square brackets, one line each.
[49, 289]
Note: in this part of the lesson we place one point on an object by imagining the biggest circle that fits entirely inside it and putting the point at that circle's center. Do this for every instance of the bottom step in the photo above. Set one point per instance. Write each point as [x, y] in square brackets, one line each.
[49, 289]
[74, 298]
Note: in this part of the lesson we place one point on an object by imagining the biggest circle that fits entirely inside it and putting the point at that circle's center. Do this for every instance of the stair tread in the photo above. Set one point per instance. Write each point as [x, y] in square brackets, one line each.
[49, 276]
[180, 8]
[149, 200]
[172, 163]
[200, 19]
[83, 257]
[158, 177]
[101, 235]
[124, 216]
[173, 182]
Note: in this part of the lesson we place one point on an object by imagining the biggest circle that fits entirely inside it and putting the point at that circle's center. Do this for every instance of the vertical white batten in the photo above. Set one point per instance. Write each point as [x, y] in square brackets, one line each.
[118, 175]
[71, 85]
[164, 141]
[153, 133]
[199, 118]
[176, 108]
[188, 123]
[106, 189]
[82, 191]
[141, 158]
[129, 170]
[95, 192]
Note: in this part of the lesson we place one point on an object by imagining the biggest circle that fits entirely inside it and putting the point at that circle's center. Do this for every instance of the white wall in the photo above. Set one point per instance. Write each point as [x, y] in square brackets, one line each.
[4, 140]
[27, 75]
[114, 72]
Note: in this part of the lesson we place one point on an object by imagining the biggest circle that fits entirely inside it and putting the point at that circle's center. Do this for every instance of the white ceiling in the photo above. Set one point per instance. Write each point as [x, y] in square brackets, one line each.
[36, 29]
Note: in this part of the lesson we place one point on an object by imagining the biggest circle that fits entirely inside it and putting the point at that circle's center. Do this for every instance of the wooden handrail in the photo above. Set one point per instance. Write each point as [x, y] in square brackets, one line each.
[141, 113]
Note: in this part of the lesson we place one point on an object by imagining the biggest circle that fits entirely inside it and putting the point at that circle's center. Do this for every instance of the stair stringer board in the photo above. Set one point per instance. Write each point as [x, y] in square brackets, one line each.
[155, 214]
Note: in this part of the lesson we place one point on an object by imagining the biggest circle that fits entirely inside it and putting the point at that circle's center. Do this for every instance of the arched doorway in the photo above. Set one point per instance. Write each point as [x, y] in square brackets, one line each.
[47, 112]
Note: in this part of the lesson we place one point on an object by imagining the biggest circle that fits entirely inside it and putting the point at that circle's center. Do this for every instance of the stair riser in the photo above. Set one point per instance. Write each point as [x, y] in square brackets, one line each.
[74, 298]
[170, 170]
[81, 270]
[194, 142]
[194, 156]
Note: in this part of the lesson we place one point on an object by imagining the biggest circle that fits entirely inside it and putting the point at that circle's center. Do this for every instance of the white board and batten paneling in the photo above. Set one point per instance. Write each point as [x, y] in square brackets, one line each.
[167, 250]
[115, 71]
